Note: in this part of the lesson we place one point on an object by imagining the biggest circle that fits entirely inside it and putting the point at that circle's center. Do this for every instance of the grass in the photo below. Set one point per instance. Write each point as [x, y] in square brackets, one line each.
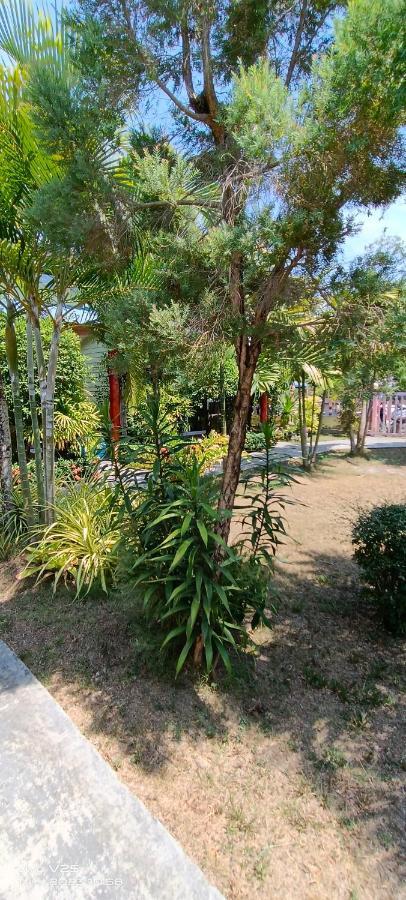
[298, 755]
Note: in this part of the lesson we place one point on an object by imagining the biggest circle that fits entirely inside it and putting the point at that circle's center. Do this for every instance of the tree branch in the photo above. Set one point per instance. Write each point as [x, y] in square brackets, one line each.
[151, 204]
[199, 117]
[186, 63]
[295, 52]
[152, 67]
[208, 84]
[278, 278]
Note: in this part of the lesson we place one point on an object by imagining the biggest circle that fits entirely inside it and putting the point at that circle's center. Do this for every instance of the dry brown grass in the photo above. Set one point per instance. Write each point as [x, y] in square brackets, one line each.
[287, 781]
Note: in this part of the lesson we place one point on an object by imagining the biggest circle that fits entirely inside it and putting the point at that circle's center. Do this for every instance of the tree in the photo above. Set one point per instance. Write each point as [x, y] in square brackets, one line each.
[369, 306]
[37, 275]
[12, 361]
[305, 124]
[6, 478]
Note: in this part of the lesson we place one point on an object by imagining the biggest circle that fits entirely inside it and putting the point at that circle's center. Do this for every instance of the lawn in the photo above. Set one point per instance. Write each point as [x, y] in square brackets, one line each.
[284, 781]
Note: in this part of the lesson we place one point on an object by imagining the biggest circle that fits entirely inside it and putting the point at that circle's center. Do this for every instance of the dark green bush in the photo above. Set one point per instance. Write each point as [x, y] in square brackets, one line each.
[196, 590]
[187, 586]
[254, 441]
[379, 538]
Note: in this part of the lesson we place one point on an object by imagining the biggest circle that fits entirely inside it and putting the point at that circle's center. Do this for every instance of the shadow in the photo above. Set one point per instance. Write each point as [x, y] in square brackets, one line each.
[331, 678]
[325, 684]
[100, 648]
[392, 456]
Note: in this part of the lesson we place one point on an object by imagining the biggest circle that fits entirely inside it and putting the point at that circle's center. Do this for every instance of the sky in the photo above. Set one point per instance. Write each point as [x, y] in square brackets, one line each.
[374, 224]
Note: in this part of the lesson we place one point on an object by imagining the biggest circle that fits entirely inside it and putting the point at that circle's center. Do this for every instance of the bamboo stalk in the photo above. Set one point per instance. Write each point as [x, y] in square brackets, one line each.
[6, 475]
[11, 352]
[34, 418]
[42, 379]
[50, 408]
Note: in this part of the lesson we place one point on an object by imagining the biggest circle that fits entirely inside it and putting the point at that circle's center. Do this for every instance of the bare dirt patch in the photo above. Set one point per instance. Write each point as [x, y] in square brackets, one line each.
[286, 781]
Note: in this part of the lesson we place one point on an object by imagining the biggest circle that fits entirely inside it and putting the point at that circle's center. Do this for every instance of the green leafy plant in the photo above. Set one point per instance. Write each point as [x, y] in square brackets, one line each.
[192, 585]
[77, 426]
[254, 441]
[82, 543]
[208, 451]
[184, 587]
[12, 533]
[263, 523]
[379, 537]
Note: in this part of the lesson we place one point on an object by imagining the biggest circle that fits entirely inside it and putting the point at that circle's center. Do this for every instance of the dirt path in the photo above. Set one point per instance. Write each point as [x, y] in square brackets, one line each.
[286, 782]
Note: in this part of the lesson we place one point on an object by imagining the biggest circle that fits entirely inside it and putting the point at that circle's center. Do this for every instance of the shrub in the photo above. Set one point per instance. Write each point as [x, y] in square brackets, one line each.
[69, 470]
[208, 451]
[379, 537]
[254, 441]
[188, 588]
[263, 524]
[311, 414]
[77, 426]
[195, 589]
[82, 543]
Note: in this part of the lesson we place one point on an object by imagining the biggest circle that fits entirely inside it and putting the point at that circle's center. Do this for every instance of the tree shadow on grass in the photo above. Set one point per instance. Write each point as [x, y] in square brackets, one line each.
[326, 681]
[100, 650]
[393, 456]
[331, 678]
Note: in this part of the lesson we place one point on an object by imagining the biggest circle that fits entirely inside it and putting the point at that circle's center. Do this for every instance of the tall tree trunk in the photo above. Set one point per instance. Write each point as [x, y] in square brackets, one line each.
[302, 421]
[42, 379]
[11, 352]
[353, 440]
[49, 412]
[223, 399]
[362, 430]
[248, 360]
[6, 476]
[34, 418]
[313, 455]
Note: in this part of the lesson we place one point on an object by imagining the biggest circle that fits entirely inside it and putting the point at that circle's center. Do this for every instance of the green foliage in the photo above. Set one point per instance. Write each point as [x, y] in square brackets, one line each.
[78, 426]
[312, 411]
[370, 346]
[254, 441]
[379, 537]
[9, 538]
[259, 116]
[82, 543]
[203, 375]
[246, 31]
[263, 526]
[13, 525]
[182, 585]
[192, 585]
[208, 451]
[70, 381]
[173, 403]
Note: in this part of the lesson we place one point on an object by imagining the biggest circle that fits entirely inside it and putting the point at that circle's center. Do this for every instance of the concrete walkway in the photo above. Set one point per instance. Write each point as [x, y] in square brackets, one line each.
[285, 450]
[68, 828]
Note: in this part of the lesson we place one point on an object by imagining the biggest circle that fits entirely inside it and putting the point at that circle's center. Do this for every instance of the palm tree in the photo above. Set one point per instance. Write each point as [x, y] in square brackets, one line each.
[35, 276]
[6, 477]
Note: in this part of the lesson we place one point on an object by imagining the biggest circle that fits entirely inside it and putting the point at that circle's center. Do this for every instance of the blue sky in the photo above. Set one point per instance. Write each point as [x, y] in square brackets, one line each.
[374, 224]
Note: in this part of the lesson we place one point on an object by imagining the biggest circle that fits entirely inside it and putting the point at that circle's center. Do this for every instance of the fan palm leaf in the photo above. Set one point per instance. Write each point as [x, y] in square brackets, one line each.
[29, 36]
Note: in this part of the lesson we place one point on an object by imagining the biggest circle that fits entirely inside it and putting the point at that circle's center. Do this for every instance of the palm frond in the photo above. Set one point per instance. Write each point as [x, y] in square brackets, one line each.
[29, 36]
